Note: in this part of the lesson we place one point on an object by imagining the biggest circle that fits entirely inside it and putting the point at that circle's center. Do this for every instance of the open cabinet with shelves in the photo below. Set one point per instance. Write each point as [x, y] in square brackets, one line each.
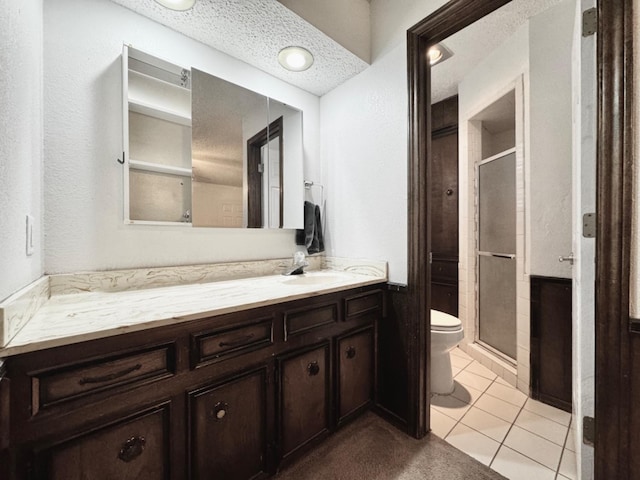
[157, 140]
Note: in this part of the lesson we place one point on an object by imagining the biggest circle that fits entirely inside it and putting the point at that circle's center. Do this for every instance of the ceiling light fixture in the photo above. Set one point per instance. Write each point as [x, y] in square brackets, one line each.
[438, 53]
[296, 59]
[179, 5]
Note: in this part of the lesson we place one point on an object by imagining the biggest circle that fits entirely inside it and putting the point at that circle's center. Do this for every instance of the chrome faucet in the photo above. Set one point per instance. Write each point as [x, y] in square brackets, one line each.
[299, 263]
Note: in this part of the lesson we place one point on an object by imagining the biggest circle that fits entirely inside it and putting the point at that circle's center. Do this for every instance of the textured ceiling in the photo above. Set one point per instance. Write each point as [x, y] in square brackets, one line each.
[254, 31]
[471, 45]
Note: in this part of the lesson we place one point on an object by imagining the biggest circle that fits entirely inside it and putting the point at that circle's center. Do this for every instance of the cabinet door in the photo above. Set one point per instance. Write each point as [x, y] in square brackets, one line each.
[444, 298]
[355, 371]
[228, 429]
[304, 397]
[135, 448]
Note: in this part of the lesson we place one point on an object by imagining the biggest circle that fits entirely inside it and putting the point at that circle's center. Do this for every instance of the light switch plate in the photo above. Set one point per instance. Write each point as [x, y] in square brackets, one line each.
[29, 235]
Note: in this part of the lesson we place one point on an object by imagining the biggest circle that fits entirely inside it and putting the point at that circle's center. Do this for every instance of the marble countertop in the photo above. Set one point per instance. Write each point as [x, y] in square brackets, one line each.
[76, 317]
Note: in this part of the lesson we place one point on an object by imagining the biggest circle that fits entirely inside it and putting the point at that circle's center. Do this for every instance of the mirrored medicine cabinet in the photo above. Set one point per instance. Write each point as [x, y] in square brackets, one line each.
[201, 151]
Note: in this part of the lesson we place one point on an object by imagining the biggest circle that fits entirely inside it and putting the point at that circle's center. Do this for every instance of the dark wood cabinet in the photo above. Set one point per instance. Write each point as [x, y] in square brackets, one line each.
[355, 367]
[231, 396]
[228, 424]
[444, 206]
[551, 337]
[304, 414]
[444, 297]
[136, 447]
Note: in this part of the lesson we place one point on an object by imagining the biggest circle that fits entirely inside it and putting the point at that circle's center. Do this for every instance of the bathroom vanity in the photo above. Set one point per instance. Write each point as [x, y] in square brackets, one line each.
[233, 393]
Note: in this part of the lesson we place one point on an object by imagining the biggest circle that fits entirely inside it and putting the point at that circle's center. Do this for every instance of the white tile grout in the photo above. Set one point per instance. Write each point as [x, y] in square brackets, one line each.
[521, 408]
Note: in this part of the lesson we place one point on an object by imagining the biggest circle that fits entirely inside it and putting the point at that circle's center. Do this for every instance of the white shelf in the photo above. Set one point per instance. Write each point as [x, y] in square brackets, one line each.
[506, 152]
[159, 112]
[136, 76]
[160, 168]
[152, 222]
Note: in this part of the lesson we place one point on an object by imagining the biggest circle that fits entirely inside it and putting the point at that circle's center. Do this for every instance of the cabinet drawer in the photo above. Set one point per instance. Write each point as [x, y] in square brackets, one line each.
[444, 271]
[69, 382]
[359, 304]
[355, 363]
[213, 346]
[136, 447]
[297, 322]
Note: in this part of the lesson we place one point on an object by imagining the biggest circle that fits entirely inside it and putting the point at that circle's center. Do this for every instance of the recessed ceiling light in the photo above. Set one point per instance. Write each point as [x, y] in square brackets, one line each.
[438, 53]
[295, 59]
[177, 4]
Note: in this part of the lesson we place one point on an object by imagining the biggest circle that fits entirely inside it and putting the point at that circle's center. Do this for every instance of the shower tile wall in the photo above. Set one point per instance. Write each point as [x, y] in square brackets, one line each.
[470, 144]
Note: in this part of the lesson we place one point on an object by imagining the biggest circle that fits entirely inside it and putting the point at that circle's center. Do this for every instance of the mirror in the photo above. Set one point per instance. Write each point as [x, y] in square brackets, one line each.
[224, 118]
[244, 157]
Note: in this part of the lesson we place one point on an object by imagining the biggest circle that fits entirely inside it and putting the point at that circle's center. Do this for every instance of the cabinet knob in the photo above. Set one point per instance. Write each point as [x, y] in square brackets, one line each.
[220, 410]
[132, 449]
[313, 368]
[449, 192]
[351, 352]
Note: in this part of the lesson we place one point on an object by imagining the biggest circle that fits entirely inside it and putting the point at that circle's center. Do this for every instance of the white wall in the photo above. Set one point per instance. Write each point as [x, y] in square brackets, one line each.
[83, 121]
[549, 219]
[505, 69]
[364, 148]
[20, 143]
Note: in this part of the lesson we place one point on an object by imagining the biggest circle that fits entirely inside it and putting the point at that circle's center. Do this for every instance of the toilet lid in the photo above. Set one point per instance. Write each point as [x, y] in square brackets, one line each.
[444, 322]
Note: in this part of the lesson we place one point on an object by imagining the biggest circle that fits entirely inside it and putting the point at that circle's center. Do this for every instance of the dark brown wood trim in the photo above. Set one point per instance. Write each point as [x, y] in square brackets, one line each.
[613, 240]
[254, 177]
[443, 132]
[449, 19]
[634, 325]
[453, 17]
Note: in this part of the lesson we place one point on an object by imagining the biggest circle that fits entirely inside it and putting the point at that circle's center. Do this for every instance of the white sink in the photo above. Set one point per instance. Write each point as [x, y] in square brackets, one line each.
[313, 280]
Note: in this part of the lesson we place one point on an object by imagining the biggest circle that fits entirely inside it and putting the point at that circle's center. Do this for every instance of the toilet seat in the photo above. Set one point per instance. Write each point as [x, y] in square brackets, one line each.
[443, 322]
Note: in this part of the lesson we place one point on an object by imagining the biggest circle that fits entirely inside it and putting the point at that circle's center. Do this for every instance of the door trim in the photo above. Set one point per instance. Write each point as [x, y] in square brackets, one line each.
[613, 240]
[614, 189]
[447, 20]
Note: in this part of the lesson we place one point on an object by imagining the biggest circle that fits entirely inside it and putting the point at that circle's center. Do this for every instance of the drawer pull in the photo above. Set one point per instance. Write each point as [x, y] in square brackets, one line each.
[111, 376]
[220, 410]
[132, 449]
[237, 341]
[313, 369]
[351, 352]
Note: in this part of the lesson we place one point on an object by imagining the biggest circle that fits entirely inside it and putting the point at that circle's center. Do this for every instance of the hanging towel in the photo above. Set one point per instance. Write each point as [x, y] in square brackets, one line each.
[311, 237]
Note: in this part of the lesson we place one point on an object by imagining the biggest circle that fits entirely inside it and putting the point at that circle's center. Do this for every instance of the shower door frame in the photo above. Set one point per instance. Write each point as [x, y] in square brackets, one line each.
[521, 151]
[479, 253]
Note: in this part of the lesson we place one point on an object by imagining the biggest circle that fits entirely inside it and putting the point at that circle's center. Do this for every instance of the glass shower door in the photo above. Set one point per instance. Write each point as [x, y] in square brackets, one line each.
[497, 254]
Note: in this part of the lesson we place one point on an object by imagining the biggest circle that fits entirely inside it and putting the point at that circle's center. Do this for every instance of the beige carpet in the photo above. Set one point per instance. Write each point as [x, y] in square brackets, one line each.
[372, 449]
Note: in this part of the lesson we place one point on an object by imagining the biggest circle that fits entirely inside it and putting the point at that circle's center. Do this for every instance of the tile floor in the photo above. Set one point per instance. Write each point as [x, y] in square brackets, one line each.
[498, 425]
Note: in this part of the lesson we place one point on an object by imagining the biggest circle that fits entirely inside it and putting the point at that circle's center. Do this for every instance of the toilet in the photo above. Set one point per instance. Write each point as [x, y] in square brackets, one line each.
[446, 334]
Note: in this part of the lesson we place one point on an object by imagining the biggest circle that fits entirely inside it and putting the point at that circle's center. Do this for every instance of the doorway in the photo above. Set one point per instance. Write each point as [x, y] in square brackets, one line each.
[613, 190]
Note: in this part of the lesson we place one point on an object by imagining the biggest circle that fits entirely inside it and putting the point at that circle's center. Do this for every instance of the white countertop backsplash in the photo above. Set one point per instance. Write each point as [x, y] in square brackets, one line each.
[76, 307]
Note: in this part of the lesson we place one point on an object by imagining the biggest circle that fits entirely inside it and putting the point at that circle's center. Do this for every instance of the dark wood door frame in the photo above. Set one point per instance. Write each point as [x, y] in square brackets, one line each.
[449, 19]
[255, 176]
[614, 444]
[613, 241]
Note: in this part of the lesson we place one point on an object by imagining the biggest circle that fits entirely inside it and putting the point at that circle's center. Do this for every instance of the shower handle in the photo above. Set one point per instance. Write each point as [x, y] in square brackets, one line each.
[569, 258]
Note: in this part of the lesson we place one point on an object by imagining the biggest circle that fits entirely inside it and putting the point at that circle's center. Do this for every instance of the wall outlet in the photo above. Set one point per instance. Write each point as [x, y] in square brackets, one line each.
[29, 235]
